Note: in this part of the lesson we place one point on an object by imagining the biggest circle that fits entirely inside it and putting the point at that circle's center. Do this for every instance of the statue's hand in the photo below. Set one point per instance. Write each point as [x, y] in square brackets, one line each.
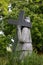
[19, 33]
[18, 27]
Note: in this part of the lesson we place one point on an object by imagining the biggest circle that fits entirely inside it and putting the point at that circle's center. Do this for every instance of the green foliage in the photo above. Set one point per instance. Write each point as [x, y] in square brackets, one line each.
[4, 41]
[33, 9]
[34, 59]
[4, 6]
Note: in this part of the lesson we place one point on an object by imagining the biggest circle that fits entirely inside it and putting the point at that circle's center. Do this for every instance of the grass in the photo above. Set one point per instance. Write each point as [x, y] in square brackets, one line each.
[34, 59]
[3, 60]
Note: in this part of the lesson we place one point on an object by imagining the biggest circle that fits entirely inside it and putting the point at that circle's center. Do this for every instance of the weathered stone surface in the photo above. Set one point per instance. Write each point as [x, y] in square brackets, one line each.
[21, 20]
[24, 35]
[24, 41]
[24, 46]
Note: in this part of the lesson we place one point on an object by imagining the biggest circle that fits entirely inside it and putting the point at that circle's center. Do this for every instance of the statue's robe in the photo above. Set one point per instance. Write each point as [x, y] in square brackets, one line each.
[24, 41]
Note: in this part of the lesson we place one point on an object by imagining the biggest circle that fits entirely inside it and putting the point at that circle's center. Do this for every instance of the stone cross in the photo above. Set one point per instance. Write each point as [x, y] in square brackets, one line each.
[21, 21]
[24, 35]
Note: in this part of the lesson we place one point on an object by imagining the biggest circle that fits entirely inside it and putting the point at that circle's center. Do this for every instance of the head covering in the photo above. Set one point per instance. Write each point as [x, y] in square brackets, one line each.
[27, 19]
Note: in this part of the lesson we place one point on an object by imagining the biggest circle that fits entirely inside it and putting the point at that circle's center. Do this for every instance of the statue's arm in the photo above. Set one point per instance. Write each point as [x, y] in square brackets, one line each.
[19, 33]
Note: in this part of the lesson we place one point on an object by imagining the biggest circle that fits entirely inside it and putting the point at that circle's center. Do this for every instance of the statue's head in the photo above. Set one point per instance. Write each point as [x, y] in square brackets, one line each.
[27, 19]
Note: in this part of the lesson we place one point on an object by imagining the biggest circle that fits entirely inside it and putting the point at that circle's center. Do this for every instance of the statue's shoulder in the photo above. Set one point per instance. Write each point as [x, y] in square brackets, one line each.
[25, 29]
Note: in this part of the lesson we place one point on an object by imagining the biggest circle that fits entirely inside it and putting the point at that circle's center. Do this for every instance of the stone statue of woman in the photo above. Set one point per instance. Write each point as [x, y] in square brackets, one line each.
[24, 40]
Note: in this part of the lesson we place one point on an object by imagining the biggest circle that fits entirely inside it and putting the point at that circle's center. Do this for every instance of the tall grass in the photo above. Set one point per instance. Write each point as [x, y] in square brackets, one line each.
[34, 59]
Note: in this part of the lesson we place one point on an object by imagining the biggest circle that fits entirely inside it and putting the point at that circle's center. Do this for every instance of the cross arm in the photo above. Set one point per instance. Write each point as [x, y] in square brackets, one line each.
[21, 16]
[23, 23]
[12, 21]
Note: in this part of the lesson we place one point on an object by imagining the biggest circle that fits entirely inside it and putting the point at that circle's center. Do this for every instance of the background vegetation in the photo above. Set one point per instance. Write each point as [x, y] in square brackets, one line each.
[33, 9]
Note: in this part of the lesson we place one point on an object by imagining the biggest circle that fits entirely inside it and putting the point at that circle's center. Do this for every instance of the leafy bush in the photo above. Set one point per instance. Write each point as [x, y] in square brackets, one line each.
[33, 9]
[4, 41]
